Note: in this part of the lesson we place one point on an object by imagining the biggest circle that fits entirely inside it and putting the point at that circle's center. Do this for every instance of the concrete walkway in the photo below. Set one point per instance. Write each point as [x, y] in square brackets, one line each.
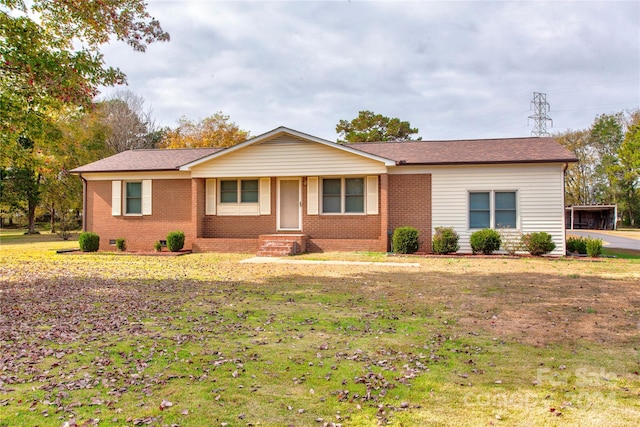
[608, 240]
[286, 260]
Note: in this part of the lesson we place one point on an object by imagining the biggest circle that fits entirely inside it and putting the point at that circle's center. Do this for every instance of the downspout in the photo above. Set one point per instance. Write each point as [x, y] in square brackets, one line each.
[84, 202]
[564, 211]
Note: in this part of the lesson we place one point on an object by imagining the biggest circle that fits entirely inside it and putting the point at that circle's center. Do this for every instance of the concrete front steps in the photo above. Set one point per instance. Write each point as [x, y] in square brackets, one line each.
[280, 245]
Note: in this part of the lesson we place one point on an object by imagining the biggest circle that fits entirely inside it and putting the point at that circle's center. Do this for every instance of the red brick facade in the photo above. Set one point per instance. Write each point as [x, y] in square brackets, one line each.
[179, 205]
[171, 210]
[410, 205]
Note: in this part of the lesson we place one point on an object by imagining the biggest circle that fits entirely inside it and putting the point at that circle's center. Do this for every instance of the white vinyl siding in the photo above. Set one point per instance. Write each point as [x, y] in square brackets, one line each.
[539, 197]
[116, 198]
[210, 203]
[288, 156]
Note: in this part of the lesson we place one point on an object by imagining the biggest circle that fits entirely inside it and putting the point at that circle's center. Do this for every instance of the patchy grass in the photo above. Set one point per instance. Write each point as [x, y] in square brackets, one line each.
[202, 340]
[621, 253]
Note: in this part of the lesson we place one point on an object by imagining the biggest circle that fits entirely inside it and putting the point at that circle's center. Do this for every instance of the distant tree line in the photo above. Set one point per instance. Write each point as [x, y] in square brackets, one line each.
[608, 168]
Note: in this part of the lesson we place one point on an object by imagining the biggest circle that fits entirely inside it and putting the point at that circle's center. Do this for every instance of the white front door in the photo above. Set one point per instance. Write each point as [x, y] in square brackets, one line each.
[289, 204]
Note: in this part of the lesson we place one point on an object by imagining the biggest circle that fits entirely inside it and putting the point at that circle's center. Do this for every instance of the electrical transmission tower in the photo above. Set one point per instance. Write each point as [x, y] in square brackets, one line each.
[540, 108]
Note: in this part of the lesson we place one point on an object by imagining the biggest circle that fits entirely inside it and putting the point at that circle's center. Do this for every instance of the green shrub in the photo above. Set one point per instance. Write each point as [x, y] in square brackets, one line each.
[594, 247]
[445, 240]
[89, 242]
[175, 241]
[405, 240]
[121, 245]
[157, 246]
[486, 241]
[577, 245]
[538, 243]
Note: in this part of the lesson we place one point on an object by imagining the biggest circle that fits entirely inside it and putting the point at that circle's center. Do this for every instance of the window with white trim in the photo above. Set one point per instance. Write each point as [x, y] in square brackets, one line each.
[493, 209]
[133, 198]
[245, 190]
[343, 195]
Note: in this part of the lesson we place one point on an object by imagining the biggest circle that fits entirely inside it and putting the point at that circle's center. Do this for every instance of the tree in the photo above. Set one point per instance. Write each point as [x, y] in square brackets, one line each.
[50, 50]
[579, 178]
[212, 131]
[628, 175]
[369, 126]
[21, 182]
[130, 125]
[607, 171]
[50, 61]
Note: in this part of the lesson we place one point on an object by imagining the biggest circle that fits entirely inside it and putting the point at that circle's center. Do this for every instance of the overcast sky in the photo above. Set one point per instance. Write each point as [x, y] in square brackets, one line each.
[452, 69]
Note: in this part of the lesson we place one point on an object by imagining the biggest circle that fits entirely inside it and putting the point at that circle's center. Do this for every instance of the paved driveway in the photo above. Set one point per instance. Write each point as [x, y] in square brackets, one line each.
[613, 241]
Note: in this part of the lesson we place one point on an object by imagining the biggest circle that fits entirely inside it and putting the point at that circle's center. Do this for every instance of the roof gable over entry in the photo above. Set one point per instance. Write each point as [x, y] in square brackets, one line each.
[285, 152]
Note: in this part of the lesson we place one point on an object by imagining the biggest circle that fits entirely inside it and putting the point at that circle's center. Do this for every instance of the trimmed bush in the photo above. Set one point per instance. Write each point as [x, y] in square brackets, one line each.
[594, 247]
[538, 243]
[89, 242]
[486, 241]
[445, 240]
[157, 246]
[577, 245]
[121, 245]
[405, 240]
[175, 241]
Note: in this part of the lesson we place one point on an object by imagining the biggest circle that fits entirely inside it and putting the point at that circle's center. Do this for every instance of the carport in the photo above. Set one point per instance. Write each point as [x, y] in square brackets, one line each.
[591, 217]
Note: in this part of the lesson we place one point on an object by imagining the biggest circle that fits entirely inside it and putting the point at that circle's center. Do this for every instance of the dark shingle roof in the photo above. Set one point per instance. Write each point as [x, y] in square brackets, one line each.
[147, 160]
[473, 151]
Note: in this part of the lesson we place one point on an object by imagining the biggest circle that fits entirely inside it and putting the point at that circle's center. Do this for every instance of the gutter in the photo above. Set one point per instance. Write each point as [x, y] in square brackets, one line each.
[84, 202]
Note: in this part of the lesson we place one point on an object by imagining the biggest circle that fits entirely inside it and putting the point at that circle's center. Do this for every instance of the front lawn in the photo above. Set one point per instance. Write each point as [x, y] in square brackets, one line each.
[197, 340]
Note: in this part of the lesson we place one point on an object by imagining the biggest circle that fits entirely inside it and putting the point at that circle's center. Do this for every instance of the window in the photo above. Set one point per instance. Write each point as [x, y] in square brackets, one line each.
[492, 209]
[331, 195]
[249, 192]
[505, 209]
[133, 205]
[479, 210]
[343, 195]
[229, 191]
[354, 195]
[245, 190]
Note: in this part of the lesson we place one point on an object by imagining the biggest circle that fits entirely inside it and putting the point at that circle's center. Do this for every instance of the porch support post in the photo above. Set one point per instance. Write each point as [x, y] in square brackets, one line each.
[384, 212]
[197, 205]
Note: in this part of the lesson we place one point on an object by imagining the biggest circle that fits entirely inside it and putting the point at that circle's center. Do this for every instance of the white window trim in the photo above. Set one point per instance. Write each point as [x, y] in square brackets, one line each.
[239, 208]
[342, 195]
[124, 198]
[492, 208]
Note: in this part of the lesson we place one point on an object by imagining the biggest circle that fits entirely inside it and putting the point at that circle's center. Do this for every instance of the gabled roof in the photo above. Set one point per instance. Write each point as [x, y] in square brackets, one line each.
[470, 151]
[147, 160]
[285, 130]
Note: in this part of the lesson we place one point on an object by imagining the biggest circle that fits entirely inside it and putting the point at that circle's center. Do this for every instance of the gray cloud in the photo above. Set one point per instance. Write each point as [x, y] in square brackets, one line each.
[453, 69]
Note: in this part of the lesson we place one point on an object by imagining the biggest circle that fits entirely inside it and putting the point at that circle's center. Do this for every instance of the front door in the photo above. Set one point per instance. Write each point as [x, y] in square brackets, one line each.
[289, 204]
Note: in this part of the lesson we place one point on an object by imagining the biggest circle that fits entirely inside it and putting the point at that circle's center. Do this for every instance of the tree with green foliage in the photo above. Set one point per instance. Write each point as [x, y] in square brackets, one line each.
[607, 169]
[369, 127]
[51, 63]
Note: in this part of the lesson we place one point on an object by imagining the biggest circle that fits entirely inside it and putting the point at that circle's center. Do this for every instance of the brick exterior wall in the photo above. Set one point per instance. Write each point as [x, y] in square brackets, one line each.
[410, 205]
[171, 210]
[179, 205]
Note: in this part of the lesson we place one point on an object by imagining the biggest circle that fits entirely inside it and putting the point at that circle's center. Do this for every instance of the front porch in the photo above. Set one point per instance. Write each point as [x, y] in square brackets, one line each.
[284, 244]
